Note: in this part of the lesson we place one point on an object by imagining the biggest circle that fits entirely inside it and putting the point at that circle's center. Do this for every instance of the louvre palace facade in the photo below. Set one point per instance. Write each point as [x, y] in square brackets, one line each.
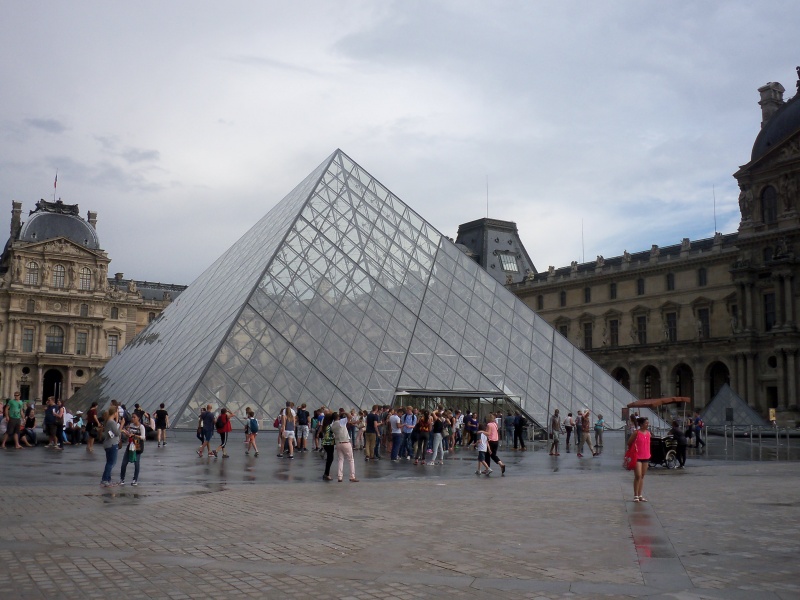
[685, 319]
[61, 316]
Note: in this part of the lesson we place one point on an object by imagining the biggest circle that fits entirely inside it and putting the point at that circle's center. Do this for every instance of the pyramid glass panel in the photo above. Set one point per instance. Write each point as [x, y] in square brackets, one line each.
[342, 295]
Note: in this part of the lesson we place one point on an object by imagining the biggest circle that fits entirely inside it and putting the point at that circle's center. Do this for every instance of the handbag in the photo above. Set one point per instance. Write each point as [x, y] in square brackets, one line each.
[630, 458]
[132, 456]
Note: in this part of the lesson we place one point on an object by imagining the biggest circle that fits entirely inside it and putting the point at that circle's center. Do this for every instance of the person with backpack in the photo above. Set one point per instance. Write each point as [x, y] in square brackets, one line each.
[698, 430]
[250, 431]
[206, 427]
[302, 429]
[133, 436]
[223, 427]
[422, 429]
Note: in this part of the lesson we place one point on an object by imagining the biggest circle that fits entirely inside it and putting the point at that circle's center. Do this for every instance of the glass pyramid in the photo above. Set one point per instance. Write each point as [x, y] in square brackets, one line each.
[343, 296]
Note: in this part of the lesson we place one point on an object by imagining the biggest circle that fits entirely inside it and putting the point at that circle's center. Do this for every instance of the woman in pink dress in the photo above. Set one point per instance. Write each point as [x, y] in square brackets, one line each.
[640, 438]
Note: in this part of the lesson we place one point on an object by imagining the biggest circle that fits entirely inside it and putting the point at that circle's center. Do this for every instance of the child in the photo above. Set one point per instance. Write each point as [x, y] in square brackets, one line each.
[251, 430]
[483, 445]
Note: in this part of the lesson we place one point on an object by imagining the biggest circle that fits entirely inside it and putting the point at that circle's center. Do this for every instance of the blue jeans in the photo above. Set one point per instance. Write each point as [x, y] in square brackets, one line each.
[111, 460]
[125, 462]
[397, 441]
[406, 449]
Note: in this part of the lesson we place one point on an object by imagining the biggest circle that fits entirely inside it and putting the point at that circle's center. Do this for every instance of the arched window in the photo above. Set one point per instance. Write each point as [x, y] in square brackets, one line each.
[84, 310]
[58, 276]
[54, 342]
[32, 274]
[769, 205]
[86, 279]
[30, 306]
[114, 312]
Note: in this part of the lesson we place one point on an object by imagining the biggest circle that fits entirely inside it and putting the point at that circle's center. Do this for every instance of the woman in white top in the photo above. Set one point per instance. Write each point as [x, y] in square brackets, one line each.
[134, 434]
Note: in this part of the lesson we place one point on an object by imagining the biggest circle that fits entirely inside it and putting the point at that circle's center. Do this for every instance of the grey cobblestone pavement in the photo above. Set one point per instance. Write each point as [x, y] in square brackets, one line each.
[266, 527]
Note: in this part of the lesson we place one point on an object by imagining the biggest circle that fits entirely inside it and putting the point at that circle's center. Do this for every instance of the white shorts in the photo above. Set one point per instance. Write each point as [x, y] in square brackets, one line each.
[289, 435]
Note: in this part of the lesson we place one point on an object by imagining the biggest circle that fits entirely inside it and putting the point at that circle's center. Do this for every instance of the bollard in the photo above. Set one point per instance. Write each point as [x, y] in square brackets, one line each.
[725, 435]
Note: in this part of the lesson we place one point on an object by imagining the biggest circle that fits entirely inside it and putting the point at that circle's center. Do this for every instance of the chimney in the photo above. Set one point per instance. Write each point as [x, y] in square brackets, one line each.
[91, 216]
[771, 100]
[118, 276]
[16, 215]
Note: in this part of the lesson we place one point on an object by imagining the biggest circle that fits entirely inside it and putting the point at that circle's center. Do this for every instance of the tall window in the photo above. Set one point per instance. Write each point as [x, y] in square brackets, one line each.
[58, 276]
[113, 342]
[640, 286]
[703, 323]
[587, 294]
[612, 291]
[84, 310]
[641, 329]
[670, 282]
[30, 306]
[563, 330]
[702, 277]
[80, 343]
[770, 317]
[562, 298]
[54, 341]
[32, 274]
[672, 327]
[27, 339]
[613, 327]
[114, 312]
[587, 336]
[152, 316]
[769, 205]
[86, 279]
[540, 302]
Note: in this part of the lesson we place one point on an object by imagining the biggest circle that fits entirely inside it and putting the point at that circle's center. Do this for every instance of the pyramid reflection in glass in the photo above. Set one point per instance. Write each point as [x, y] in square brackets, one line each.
[343, 296]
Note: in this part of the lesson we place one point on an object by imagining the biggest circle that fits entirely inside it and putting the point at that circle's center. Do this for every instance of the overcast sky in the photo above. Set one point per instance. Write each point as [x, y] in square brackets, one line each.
[182, 123]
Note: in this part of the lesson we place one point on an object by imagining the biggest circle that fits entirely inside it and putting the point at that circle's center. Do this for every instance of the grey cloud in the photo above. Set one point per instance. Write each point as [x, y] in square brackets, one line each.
[263, 62]
[135, 155]
[103, 174]
[48, 125]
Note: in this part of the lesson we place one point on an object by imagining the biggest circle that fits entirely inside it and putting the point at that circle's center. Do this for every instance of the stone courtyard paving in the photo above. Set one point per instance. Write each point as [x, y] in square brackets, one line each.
[267, 528]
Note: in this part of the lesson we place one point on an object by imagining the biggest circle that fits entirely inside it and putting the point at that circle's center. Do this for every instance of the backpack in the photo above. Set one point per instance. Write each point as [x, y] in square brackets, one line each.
[700, 424]
[220, 424]
[253, 425]
[277, 422]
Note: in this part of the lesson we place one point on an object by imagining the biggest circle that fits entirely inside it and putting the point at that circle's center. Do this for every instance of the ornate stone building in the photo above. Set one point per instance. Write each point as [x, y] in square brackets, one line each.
[684, 319]
[61, 317]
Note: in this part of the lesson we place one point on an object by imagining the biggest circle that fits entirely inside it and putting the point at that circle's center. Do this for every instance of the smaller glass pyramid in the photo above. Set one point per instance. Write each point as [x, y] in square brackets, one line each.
[343, 296]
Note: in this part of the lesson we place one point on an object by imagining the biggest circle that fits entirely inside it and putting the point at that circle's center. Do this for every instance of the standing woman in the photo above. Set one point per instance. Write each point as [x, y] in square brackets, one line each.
[288, 422]
[492, 432]
[59, 412]
[134, 434]
[110, 441]
[599, 426]
[224, 427]
[438, 437]
[569, 422]
[92, 427]
[555, 431]
[423, 432]
[641, 440]
[328, 443]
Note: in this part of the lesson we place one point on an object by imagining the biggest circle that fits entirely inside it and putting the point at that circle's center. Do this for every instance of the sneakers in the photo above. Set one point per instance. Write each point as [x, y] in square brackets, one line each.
[503, 470]
[134, 482]
[256, 454]
[478, 472]
[159, 445]
[247, 452]
[354, 480]
[580, 455]
[200, 453]
[487, 471]
[430, 464]
[121, 482]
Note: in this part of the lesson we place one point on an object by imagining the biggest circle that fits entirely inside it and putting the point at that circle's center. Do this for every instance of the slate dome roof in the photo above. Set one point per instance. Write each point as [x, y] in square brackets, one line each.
[44, 224]
[784, 123]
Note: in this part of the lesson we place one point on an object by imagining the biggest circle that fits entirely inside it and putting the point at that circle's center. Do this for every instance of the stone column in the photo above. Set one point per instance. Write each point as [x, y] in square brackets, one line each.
[791, 379]
[789, 298]
[42, 344]
[751, 314]
[781, 378]
[40, 383]
[751, 381]
[741, 379]
[779, 312]
[66, 394]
